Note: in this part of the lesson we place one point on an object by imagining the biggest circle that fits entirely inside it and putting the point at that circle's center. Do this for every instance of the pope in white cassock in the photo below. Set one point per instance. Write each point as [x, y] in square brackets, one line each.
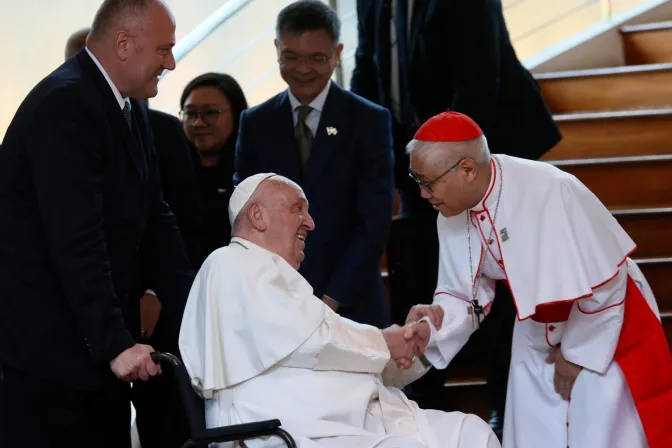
[590, 364]
[258, 345]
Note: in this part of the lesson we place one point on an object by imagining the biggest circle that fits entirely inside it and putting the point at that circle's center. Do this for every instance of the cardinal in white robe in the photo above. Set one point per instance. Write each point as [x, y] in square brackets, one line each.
[259, 345]
[590, 367]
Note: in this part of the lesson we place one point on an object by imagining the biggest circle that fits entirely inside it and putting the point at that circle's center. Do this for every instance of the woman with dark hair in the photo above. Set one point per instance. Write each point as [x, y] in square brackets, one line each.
[211, 106]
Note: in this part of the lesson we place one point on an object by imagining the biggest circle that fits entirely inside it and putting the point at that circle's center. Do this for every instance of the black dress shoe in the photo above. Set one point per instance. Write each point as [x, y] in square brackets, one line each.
[496, 423]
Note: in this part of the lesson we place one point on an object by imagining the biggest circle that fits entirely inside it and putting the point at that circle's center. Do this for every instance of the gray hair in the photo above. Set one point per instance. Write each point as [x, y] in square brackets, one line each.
[476, 148]
[118, 13]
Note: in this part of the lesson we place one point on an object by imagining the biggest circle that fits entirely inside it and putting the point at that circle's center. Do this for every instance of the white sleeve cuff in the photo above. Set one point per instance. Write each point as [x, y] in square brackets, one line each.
[432, 352]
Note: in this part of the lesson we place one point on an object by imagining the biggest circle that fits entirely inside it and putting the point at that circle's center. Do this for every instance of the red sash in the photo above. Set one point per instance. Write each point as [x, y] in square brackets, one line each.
[644, 357]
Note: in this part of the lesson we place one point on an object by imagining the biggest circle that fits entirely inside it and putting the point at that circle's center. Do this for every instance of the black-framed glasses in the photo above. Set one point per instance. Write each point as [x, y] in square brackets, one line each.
[313, 60]
[208, 115]
[427, 185]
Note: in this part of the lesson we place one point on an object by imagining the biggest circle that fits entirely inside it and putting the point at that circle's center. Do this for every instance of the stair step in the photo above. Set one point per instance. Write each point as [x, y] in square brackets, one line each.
[625, 182]
[613, 88]
[649, 228]
[658, 272]
[648, 43]
[613, 134]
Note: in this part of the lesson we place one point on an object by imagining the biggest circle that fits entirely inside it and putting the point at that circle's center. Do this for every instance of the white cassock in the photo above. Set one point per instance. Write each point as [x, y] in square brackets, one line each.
[258, 345]
[565, 259]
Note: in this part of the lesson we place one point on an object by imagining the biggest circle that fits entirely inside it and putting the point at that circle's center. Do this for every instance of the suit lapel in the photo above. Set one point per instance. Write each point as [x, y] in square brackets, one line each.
[329, 135]
[114, 112]
[420, 10]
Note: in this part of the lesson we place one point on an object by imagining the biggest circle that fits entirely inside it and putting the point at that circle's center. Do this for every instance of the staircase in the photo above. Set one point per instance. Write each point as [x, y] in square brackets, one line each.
[617, 128]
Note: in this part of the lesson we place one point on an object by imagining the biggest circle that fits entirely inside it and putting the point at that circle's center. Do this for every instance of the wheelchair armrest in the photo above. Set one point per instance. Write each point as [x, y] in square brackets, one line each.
[238, 432]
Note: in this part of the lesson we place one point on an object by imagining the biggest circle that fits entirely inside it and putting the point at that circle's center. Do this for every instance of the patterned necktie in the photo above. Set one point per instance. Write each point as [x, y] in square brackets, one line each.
[302, 133]
[127, 114]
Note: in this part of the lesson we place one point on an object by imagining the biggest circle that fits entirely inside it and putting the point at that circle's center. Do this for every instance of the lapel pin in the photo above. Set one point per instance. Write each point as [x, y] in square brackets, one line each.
[332, 130]
[504, 233]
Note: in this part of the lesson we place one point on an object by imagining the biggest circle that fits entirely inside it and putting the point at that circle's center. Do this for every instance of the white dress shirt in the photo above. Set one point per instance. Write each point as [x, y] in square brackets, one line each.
[313, 118]
[116, 92]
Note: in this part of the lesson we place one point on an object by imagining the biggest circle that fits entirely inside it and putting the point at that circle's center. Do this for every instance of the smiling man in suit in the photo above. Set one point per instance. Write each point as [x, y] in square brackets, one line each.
[338, 147]
[81, 207]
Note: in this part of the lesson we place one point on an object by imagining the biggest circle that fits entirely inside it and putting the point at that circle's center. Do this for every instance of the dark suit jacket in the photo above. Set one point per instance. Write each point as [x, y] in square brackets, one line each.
[81, 203]
[349, 185]
[178, 180]
[461, 58]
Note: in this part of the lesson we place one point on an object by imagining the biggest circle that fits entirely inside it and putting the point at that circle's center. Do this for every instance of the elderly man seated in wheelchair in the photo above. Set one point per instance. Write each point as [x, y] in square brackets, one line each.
[258, 345]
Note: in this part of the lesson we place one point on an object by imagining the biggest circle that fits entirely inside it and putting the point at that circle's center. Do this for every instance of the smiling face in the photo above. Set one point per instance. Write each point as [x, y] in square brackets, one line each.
[307, 61]
[286, 221]
[207, 119]
[146, 51]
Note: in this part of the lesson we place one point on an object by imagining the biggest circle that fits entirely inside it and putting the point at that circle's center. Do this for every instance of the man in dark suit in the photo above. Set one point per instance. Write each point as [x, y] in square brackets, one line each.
[419, 58]
[160, 419]
[338, 147]
[82, 206]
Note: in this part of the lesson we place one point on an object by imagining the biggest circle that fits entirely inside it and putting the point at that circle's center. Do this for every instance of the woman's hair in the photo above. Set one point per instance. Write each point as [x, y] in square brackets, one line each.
[229, 88]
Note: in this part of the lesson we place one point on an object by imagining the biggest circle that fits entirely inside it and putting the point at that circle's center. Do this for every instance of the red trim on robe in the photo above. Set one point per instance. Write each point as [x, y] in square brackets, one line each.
[559, 311]
[645, 359]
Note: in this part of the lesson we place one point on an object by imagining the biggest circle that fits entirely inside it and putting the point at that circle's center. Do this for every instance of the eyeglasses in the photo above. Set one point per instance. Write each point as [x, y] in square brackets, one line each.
[427, 185]
[313, 60]
[208, 115]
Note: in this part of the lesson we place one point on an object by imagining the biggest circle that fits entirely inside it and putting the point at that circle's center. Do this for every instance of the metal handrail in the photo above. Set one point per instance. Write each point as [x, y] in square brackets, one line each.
[206, 28]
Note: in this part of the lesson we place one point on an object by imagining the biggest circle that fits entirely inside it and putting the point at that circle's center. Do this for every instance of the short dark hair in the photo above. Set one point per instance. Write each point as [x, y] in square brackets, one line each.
[113, 11]
[309, 15]
[229, 88]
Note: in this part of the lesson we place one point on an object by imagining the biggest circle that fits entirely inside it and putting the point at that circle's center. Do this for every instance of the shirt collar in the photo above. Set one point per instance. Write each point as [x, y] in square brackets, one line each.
[317, 104]
[116, 92]
[490, 197]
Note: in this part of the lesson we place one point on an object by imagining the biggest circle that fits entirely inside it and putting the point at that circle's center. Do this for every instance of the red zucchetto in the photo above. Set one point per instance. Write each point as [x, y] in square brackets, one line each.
[448, 126]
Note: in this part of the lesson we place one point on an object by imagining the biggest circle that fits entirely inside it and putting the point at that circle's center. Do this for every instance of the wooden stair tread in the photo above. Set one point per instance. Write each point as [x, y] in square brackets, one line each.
[604, 71]
[642, 211]
[625, 182]
[645, 27]
[465, 382]
[648, 43]
[650, 229]
[612, 160]
[613, 133]
[610, 88]
[613, 114]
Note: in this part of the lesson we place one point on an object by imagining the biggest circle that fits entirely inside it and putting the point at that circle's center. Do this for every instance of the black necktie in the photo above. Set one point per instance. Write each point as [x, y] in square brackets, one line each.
[127, 115]
[304, 137]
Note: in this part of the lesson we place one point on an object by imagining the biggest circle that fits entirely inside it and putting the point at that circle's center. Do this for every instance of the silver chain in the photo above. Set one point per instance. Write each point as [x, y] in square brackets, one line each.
[474, 302]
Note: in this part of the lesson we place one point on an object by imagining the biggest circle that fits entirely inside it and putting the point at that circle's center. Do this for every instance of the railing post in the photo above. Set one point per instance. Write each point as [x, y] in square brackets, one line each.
[339, 69]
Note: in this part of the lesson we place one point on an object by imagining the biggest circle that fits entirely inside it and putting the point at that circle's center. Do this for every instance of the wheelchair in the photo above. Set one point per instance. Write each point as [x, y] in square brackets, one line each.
[194, 408]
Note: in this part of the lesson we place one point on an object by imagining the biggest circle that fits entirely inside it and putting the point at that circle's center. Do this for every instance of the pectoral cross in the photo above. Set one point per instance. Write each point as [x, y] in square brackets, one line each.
[476, 311]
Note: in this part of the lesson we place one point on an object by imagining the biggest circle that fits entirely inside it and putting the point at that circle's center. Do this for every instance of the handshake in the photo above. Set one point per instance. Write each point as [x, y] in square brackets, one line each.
[409, 341]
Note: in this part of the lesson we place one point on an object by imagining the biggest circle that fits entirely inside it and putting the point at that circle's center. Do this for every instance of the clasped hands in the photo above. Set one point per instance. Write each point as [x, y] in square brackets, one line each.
[409, 341]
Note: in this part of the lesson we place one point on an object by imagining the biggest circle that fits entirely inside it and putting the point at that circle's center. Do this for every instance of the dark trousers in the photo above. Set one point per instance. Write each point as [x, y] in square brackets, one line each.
[497, 339]
[35, 412]
[160, 417]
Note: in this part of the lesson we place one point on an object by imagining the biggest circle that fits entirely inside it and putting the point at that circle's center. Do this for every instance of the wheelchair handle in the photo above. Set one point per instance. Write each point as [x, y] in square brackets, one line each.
[159, 357]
